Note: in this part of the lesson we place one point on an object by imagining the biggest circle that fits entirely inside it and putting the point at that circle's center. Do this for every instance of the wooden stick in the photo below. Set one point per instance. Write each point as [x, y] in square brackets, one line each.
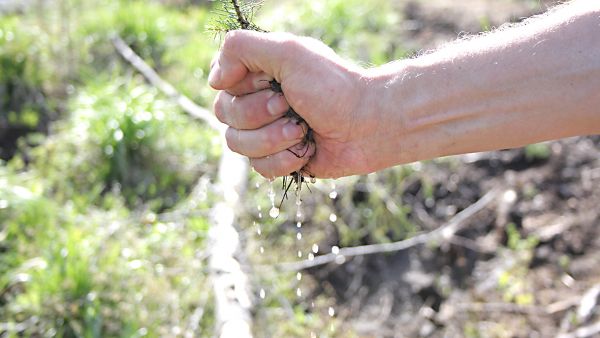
[166, 88]
[230, 283]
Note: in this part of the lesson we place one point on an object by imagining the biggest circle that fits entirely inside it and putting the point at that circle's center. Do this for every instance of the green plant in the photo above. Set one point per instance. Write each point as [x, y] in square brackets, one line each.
[360, 30]
[121, 137]
[537, 152]
[513, 282]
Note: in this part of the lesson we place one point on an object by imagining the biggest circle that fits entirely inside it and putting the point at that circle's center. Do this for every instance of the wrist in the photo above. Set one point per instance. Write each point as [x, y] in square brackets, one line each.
[392, 96]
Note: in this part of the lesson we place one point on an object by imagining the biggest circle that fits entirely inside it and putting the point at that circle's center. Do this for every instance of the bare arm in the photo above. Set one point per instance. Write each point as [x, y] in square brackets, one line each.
[509, 88]
[513, 87]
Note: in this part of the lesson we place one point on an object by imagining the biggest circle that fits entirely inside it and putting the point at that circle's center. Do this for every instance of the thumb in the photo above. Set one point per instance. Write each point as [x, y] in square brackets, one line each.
[248, 51]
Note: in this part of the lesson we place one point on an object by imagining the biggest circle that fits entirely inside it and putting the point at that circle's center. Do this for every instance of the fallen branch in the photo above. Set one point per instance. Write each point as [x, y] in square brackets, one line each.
[443, 234]
[231, 286]
[584, 332]
[166, 88]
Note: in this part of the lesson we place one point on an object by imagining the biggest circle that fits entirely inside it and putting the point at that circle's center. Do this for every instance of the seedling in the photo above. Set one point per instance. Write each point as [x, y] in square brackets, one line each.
[237, 14]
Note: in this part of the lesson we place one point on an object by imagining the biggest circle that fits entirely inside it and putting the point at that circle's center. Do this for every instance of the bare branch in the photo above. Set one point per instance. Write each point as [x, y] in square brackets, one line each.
[443, 234]
[183, 101]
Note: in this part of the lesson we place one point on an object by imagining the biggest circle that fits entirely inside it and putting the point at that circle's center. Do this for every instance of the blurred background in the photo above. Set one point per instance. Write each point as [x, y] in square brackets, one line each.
[106, 187]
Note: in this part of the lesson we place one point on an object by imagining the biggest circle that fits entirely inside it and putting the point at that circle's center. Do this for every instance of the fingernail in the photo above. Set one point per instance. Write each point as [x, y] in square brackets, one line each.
[275, 105]
[292, 131]
[215, 75]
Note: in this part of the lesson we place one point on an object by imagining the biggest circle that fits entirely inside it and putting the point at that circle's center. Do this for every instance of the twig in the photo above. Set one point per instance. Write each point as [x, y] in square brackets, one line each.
[584, 332]
[230, 283]
[240, 17]
[443, 234]
[501, 307]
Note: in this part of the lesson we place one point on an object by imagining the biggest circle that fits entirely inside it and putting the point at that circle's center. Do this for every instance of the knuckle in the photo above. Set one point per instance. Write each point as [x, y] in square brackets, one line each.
[290, 43]
[231, 139]
[231, 40]
[219, 111]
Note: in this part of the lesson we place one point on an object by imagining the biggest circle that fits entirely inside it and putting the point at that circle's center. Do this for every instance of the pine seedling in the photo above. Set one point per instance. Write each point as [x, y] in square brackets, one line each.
[238, 14]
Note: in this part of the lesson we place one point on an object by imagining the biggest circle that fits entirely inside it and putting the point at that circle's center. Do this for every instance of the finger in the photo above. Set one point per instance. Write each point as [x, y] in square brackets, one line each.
[252, 83]
[277, 136]
[284, 162]
[248, 51]
[252, 111]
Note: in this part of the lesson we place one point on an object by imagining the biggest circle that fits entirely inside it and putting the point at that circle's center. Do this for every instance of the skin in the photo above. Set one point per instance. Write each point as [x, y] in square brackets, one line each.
[519, 85]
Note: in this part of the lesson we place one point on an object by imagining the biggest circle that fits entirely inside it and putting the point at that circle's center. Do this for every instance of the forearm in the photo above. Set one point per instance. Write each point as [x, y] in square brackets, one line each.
[507, 89]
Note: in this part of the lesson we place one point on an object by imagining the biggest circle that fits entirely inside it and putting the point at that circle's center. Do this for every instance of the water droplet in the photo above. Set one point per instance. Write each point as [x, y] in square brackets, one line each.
[274, 212]
[257, 185]
[299, 225]
[262, 250]
[299, 236]
[333, 195]
[259, 231]
[260, 215]
[333, 217]
[335, 250]
[299, 254]
[299, 276]
[311, 256]
[315, 248]
[298, 214]
[271, 194]
[298, 201]
[262, 293]
[331, 311]
[298, 292]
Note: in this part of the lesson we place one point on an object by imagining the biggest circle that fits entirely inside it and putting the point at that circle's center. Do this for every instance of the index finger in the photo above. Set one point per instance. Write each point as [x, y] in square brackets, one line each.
[248, 51]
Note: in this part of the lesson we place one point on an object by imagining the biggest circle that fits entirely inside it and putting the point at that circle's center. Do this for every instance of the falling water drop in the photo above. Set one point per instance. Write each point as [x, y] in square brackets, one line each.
[331, 311]
[262, 250]
[299, 276]
[333, 194]
[315, 248]
[298, 207]
[274, 212]
[298, 292]
[299, 236]
[271, 193]
[299, 225]
[262, 294]
[333, 218]
[311, 256]
[299, 254]
[335, 250]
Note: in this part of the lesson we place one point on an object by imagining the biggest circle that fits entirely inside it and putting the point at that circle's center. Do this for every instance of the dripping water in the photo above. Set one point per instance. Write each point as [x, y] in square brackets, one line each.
[274, 212]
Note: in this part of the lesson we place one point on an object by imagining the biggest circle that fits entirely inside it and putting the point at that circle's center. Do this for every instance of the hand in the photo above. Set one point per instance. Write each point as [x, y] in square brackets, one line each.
[328, 92]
